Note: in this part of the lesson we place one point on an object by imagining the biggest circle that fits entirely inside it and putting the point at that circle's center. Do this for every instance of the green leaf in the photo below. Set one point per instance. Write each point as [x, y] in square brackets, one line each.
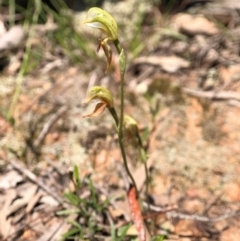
[105, 203]
[158, 238]
[143, 155]
[113, 232]
[123, 231]
[67, 212]
[70, 233]
[76, 178]
[72, 198]
[93, 195]
[7, 116]
[75, 224]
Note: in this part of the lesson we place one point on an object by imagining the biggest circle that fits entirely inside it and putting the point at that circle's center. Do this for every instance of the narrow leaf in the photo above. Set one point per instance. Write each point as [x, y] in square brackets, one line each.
[70, 233]
[123, 231]
[67, 212]
[136, 213]
[75, 224]
[76, 176]
[72, 198]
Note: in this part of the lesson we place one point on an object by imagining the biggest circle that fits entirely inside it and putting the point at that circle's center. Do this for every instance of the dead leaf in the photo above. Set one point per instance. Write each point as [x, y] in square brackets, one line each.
[31, 204]
[48, 234]
[232, 191]
[11, 38]
[10, 180]
[14, 65]
[136, 213]
[169, 64]
[187, 228]
[2, 29]
[193, 25]
[5, 223]
[140, 175]
[231, 73]
[49, 200]
[20, 202]
[231, 234]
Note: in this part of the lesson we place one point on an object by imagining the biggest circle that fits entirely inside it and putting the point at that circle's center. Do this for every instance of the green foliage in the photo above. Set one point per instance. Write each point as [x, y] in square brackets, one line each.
[119, 234]
[34, 59]
[85, 208]
[76, 178]
[158, 238]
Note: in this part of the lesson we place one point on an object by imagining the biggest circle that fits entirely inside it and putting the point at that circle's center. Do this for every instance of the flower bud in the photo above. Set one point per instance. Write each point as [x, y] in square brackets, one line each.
[130, 127]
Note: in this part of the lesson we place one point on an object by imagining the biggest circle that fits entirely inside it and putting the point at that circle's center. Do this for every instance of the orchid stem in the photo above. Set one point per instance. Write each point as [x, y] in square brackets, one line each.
[120, 126]
[114, 115]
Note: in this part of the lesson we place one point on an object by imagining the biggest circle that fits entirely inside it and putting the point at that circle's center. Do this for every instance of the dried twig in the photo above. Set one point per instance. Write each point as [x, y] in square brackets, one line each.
[203, 218]
[49, 124]
[210, 205]
[214, 95]
[174, 214]
[35, 180]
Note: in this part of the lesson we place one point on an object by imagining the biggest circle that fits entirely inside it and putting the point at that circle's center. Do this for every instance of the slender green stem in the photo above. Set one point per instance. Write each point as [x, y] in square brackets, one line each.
[120, 126]
[117, 45]
[119, 49]
[25, 59]
[121, 106]
[125, 162]
[143, 157]
[114, 115]
[12, 12]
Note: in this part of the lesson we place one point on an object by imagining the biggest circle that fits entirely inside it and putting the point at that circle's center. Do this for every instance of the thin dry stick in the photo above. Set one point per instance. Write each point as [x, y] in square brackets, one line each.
[222, 95]
[32, 177]
[49, 124]
[174, 214]
[203, 218]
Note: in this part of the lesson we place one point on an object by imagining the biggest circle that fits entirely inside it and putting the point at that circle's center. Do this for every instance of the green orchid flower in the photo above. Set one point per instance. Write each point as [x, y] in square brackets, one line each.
[103, 99]
[100, 19]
